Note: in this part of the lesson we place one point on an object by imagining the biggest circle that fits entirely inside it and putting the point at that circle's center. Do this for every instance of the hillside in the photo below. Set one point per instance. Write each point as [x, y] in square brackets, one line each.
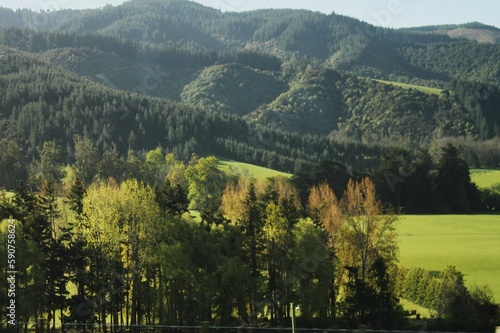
[319, 82]
[42, 103]
[232, 88]
[335, 41]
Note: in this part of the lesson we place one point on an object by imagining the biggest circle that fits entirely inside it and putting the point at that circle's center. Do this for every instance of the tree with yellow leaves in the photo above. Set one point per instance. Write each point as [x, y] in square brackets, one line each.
[368, 230]
[121, 224]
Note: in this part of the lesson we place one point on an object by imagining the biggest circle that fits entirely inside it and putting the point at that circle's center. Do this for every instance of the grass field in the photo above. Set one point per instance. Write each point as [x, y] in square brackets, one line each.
[485, 178]
[469, 242]
[249, 170]
[425, 90]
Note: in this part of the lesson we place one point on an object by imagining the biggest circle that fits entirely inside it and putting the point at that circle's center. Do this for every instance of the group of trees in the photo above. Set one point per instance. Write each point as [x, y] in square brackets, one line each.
[446, 295]
[418, 185]
[135, 255]
[412, 183]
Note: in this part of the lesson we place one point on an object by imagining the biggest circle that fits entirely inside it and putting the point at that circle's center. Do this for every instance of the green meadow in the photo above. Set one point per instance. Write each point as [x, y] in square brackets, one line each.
[249, 170]
[485, 178]
[425, 90]
[469, 242]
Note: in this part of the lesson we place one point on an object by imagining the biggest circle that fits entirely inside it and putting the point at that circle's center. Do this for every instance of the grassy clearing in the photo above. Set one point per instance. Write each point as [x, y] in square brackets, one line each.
[424, 312]
[485, 178]
[249, 170]
[469, 242]
[425, 90]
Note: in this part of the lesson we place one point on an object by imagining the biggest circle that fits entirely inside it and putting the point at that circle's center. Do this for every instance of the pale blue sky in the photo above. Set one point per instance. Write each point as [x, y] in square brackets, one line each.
[389, 13]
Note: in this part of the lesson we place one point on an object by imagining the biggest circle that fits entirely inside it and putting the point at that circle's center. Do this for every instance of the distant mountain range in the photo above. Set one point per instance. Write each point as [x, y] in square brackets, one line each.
[292, 71]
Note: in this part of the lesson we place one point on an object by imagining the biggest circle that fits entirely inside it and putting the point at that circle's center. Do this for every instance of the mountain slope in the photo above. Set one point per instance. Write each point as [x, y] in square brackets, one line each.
[334, 41]
[232, 88]
[341, 105]
[40, 102]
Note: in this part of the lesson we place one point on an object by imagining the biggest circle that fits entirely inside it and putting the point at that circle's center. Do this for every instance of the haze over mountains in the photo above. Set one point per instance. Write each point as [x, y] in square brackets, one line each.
[286, 72]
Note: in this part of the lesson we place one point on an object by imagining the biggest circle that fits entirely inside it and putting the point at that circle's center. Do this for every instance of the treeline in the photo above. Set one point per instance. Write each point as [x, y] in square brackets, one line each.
[459, 60]
[419, 185]
[414, 184]
[411, 183]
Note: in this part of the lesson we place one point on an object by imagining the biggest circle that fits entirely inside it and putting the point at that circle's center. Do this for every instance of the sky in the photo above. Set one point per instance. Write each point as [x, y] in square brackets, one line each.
[386, 13]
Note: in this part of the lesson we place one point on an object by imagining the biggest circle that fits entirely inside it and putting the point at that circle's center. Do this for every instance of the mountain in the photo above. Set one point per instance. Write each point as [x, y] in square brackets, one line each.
[315, 81]
[336, 41]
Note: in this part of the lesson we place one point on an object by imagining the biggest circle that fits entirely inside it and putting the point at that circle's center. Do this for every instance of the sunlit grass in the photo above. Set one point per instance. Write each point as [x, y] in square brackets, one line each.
[485, 178]
[469, 242]
[249, 170]
[425, 90]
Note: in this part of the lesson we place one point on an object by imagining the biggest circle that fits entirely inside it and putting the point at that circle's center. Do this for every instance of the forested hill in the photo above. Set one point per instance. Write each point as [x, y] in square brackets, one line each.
[321, 86]
[41, 103]
[336, 41]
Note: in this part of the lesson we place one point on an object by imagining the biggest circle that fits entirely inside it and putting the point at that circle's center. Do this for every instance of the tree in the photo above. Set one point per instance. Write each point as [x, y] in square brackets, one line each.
[323, 208]
[251, 223]
[75, 197]
[156, 166]
[172, 199]
[100, 228]
[312, 274]
[112, 165]
[233, 199]
[454, 189]
[50, 164]
[176, 172]
[121, 225]
[86, 159]
[277, 239]
[12, 164]
[418, 189]
[206, 183]
[368, 230]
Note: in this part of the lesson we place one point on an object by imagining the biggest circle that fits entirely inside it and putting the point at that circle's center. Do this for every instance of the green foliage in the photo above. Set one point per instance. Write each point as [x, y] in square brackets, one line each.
[112, 119]
[446, 294]
[454, 189]
[11, 163]
[206, 183]
[128, 47]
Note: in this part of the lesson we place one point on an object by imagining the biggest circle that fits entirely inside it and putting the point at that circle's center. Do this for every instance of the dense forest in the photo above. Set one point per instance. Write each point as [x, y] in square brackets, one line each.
[112, 122]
